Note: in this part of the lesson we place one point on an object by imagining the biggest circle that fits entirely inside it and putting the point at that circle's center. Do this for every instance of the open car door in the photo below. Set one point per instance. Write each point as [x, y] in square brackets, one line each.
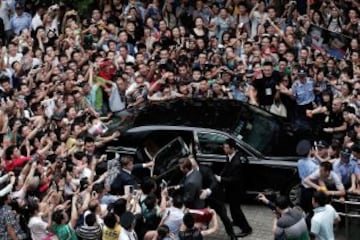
[166, 159]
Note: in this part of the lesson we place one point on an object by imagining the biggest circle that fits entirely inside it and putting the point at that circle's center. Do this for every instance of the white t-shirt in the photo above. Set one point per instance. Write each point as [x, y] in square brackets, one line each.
[173, 219]
[5, 6]
[38, 228]
[333, 179]
[17, 57]
[86, 173]
[36, 22]
[126, 235]
[323, 221]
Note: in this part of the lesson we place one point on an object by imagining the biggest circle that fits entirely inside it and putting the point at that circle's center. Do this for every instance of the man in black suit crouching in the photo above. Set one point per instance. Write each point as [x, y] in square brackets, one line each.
[232, 178]
[192, 184]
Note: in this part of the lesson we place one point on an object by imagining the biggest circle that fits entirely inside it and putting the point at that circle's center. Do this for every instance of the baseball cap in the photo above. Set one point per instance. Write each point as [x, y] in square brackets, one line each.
[322, 144]
[18, 6]
[345, 153]
[303, 147]
[302, 72]
[331, 75]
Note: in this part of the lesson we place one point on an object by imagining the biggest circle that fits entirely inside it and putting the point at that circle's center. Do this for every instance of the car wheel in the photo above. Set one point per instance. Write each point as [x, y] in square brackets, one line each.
[293, 193]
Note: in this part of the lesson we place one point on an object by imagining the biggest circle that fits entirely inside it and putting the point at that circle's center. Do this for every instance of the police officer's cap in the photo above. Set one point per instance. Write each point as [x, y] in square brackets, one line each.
[303, 147]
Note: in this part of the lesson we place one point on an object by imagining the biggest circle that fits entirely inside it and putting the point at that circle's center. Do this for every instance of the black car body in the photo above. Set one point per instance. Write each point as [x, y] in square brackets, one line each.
[166, 131]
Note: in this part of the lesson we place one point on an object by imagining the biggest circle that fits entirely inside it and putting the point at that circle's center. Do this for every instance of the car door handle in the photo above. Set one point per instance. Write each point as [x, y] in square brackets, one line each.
[206, 163]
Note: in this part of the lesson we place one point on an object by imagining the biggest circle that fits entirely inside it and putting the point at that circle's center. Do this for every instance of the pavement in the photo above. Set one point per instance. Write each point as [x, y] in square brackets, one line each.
[260, 219]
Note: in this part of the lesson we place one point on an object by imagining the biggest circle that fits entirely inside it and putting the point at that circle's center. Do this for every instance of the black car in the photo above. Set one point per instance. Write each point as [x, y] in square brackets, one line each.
[167, 131]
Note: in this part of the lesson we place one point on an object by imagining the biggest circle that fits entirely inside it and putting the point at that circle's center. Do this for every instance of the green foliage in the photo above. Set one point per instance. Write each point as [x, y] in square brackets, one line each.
[83, 7]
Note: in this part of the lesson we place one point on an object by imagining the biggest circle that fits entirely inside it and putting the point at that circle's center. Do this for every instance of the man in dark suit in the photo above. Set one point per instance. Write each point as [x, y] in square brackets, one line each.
[125, 178]
[232, 178]
[213, 194]
[192, 183]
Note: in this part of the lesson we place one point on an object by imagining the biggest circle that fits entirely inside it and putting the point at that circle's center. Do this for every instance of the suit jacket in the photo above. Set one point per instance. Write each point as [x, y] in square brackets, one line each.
[123, 179]
[233, 176]
[191, 190]
[209, 181]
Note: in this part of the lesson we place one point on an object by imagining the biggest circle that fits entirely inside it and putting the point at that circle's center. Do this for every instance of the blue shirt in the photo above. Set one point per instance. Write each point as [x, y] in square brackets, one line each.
[18, 23]
[303, 92]
[344, 170]
[306, 166]
[108, 199]
[239, 95]
[356, 162]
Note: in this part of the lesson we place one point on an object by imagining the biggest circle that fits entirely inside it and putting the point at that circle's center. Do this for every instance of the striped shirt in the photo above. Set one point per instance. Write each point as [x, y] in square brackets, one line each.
[89, 232]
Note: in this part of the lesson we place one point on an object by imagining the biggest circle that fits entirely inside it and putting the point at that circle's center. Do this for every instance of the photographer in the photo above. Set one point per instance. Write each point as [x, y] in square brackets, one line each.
[289, 223]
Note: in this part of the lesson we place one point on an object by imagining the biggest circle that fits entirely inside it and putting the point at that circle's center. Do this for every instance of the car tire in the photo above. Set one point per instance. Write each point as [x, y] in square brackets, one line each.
[293, 192]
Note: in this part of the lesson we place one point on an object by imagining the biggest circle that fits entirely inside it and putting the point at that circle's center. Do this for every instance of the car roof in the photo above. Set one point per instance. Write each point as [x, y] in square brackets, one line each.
[233, 117]
[166, 127]
[219, 114]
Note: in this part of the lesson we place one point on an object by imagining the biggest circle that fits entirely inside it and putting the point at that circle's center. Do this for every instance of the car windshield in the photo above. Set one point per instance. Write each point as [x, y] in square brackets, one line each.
[250, 124]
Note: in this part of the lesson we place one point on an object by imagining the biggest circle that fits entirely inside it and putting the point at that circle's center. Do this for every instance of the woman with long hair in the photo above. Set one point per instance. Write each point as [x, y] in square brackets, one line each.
[199, 31]
[168, 14]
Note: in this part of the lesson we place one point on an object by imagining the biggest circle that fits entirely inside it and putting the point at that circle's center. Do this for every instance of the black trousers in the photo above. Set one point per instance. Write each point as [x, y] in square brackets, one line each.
[306, 199]
[220, 209]
[237, 214]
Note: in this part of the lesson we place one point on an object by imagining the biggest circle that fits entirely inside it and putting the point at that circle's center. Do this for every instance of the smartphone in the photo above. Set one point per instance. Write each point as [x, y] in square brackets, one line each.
[163, 183]
[128, 190]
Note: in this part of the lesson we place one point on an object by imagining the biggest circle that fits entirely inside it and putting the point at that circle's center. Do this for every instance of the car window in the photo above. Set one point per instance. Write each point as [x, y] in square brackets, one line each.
[211, 143]
[167, 157]
[258, 130]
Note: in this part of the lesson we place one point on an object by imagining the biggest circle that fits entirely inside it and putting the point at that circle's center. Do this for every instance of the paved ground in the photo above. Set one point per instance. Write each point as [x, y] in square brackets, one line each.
[260, 219]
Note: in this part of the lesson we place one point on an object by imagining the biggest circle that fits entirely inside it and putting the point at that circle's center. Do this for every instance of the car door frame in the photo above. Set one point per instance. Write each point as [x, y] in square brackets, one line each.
[184, 148]
[254, 159]
[208, 159]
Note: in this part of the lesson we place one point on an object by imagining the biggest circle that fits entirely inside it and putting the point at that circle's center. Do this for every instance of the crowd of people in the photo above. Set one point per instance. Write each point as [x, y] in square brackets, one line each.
[64, 78]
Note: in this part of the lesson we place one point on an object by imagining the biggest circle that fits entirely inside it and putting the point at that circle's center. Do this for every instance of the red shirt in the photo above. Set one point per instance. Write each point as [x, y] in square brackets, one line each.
[17, 162]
